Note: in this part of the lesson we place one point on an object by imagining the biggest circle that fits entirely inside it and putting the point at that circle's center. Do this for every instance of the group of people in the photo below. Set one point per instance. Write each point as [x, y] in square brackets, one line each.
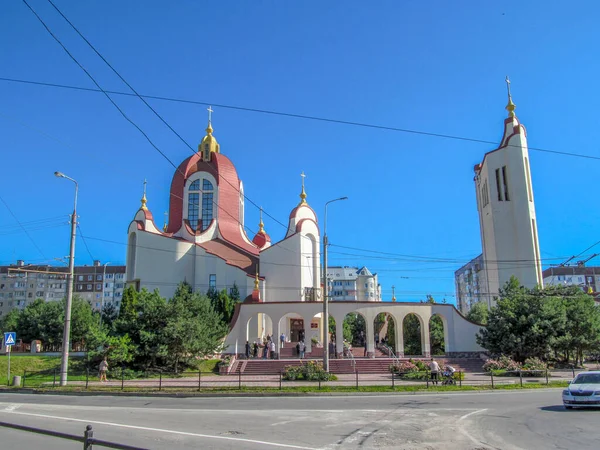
[266, 348]
[447, 373]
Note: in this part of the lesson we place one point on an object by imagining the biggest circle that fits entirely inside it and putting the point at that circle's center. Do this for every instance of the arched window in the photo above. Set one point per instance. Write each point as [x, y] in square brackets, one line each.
[200, 217]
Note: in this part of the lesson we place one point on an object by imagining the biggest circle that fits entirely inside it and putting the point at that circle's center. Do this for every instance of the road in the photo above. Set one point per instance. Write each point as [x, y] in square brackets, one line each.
[508, 420]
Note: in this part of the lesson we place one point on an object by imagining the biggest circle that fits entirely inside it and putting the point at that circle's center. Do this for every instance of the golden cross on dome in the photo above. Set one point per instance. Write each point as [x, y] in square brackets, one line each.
[510, 107]
[144, 201]
[303, 194]
[210, 111]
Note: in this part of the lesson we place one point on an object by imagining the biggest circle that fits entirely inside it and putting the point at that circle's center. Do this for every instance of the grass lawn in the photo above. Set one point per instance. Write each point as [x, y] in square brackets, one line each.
[309, 389]
[30, 363]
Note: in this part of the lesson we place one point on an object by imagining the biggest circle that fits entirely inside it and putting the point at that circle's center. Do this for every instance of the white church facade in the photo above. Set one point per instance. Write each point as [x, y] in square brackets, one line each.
[507, 220]
[204, 242]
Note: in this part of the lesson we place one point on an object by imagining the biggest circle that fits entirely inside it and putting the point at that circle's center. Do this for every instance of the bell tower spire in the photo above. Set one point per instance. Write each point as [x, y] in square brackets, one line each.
[144, 200]
[510, 107]
[303, 193]
[209, 143]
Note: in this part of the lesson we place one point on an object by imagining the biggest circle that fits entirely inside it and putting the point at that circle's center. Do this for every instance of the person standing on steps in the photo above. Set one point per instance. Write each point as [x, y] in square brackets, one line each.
[298, 349]
[272, 349]
[255, 350]
[247, 350]
[435, 371]
[282, 339]
[302, 349]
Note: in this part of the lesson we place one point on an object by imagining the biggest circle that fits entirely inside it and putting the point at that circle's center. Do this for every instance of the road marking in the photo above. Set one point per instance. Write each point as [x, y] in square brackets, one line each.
[471, 413]
[161, 430]
[12, 406]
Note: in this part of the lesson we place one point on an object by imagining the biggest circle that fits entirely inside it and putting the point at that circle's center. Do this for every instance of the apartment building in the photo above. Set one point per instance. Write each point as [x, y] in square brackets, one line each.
[21, 284]
[353, 284]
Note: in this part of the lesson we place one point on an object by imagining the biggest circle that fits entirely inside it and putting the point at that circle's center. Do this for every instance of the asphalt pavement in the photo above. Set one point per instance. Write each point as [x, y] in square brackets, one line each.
[533, 419]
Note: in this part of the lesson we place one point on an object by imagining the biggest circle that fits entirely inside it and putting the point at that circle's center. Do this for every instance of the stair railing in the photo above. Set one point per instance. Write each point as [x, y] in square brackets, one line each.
[348, 354]
[391, 353]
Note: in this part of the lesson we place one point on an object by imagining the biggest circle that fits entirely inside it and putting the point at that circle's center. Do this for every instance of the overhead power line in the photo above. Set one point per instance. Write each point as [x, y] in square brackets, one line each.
[298, 116]
[24, 229]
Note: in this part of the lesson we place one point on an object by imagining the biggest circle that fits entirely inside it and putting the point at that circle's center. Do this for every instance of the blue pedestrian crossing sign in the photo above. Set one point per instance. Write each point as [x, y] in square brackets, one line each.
[10, 338]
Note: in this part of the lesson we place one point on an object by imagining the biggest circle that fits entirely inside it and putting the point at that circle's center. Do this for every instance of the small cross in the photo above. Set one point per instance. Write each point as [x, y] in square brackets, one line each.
[508, 85]
[210, 111]
[145, 182]
[303, 177]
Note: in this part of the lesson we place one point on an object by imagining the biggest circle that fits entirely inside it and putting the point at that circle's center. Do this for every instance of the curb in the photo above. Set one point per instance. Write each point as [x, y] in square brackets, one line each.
[18, 391]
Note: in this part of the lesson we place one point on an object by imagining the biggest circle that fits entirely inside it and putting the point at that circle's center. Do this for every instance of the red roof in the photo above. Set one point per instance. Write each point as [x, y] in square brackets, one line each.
[227, 210]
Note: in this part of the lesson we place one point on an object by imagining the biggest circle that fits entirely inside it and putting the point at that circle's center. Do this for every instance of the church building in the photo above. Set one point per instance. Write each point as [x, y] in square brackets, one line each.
[507, 220]
[205, 242]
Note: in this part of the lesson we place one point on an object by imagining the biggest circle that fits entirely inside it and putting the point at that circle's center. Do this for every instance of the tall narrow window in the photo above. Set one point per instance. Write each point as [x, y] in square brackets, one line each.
[207, 204]
[528, 175]
[212, 281]
[194, 204]
[504, 180]
[498, 186]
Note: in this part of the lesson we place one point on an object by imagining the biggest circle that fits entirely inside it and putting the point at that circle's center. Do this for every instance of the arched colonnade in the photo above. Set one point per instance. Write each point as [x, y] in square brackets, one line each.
[459, 333]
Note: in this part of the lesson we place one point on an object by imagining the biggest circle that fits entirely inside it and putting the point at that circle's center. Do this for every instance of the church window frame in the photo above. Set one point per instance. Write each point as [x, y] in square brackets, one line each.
[200, 201]
[498, 185]
[505, 183]
[212, 281]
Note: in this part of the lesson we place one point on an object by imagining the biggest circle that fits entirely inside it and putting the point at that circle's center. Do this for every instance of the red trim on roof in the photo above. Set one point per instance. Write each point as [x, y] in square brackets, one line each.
[299, 224]
[227, 210]
[295, 210]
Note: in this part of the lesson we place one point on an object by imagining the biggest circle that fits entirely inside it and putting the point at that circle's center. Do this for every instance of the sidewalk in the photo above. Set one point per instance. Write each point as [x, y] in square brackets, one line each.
[273, 381]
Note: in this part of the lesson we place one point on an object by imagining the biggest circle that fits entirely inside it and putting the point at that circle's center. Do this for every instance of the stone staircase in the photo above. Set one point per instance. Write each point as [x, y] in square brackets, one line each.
[341, 366]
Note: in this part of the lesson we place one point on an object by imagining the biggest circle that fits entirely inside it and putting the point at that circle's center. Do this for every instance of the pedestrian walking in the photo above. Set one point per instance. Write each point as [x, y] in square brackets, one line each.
[255, 350]
[247, 350]
[265, 351]
[282, 339]
[272, 349]
[103, 368]
[434, 367]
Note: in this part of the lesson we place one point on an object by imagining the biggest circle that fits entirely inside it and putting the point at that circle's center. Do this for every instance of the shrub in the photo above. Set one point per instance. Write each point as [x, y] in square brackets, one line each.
[311, 371]
[421, 365]
[504, 363]
[403, 367]
[508, 363]
[534, 367]
[314, 340]
[225, 362]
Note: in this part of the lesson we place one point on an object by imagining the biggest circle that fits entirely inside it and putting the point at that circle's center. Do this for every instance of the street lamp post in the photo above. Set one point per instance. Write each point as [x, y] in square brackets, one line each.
[103, 286]
[326, 291]
[64, 363]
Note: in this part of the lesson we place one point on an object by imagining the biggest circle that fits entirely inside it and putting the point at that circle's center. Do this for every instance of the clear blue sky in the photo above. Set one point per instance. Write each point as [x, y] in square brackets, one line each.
[433, 66]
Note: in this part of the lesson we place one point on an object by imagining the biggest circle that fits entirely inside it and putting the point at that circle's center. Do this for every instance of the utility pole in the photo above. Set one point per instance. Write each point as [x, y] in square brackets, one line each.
[64, 363]
[326, 291]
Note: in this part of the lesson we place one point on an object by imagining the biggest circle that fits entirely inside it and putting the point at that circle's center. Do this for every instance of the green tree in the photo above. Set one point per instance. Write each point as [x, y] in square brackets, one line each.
[478, 313]
[412, 335]
[436, 335]
[109, 314]
[84, 320]
[355, 329]
[10, 322]
[193, 328]
[524, 323]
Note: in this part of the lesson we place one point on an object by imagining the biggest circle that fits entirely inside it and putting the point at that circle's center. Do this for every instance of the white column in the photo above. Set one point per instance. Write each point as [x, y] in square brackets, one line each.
[370, 337]
[399, 336]
[425, 338]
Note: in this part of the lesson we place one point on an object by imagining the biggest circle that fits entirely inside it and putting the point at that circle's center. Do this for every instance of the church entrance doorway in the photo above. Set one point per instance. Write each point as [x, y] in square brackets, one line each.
[296, 330]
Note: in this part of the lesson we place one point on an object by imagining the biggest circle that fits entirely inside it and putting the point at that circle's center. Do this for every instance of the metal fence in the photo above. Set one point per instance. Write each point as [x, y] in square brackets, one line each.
[124, 379]
[87, 439]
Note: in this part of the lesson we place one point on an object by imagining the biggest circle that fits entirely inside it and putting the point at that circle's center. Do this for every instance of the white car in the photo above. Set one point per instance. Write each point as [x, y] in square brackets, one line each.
[583, 391]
